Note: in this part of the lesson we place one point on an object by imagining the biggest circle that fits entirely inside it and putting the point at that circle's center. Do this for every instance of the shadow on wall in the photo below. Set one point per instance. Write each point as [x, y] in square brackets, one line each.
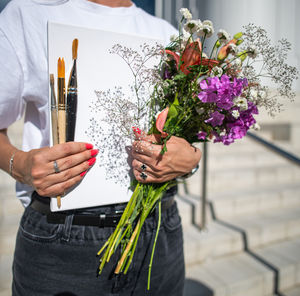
[195, 288]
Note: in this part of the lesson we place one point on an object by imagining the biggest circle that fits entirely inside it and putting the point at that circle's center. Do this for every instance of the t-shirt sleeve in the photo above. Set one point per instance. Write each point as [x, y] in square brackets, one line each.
[11, 84]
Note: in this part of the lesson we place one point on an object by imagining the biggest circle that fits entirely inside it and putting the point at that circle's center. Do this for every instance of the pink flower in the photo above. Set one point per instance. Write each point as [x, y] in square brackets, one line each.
[161, 120]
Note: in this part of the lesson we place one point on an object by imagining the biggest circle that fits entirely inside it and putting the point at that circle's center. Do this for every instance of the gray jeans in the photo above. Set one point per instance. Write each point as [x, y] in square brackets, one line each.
[60, 259]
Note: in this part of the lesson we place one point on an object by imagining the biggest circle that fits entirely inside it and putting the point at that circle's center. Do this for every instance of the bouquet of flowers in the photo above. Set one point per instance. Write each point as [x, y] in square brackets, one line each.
[199, 97]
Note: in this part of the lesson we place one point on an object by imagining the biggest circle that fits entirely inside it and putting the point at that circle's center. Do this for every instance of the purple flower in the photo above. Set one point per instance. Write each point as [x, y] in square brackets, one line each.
[209, 87]
[221, 91]
[207, 96]
[215, 119]
[202, 135]
[167, 74]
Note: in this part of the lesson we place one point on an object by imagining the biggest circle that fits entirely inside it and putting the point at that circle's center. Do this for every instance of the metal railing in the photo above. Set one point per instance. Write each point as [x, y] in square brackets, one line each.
[203, 195]
[274, 148]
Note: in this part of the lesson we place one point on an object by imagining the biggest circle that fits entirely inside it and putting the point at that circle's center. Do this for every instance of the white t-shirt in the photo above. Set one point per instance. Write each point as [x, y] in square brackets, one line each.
[23, 57]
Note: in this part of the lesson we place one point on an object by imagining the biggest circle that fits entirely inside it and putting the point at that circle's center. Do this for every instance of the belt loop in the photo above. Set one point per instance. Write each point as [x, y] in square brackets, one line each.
[67, 227]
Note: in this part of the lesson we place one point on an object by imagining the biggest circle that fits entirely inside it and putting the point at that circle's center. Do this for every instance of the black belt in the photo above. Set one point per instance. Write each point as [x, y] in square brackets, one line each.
[87, 219]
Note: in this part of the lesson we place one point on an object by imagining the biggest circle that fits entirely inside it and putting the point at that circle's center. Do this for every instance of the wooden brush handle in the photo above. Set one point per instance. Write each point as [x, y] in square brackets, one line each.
[61, 137]
[54, 126]
[61, 126]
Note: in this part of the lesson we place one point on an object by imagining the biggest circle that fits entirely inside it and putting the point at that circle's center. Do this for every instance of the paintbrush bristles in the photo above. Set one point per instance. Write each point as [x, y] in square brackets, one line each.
[61, 68]
[51, 80]
[74, 48]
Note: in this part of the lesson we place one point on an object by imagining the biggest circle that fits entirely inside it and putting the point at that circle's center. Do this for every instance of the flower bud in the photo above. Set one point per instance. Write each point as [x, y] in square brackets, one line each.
[238, 35]
[240, 41]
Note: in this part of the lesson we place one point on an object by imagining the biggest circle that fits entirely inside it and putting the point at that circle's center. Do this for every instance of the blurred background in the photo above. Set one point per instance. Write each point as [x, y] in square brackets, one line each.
[241, 211]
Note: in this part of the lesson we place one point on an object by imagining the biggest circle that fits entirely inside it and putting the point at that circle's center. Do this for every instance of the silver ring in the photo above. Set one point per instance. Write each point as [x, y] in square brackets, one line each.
[143, 176]
[143, 167]
[56, 168]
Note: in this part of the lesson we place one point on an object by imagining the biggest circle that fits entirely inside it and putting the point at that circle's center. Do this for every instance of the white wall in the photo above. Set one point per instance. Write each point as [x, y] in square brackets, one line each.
[281, 18]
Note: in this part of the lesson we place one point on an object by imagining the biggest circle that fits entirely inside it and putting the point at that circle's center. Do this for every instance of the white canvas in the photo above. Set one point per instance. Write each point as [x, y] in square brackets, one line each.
[98, 70]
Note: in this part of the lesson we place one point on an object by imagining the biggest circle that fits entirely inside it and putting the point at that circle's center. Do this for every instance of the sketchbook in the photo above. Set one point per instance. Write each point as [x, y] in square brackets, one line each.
[105, 101]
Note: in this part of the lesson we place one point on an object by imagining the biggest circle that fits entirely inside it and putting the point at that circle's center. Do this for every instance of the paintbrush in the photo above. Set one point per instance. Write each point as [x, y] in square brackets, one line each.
[61, 107]
[53, 111]
[72, 95]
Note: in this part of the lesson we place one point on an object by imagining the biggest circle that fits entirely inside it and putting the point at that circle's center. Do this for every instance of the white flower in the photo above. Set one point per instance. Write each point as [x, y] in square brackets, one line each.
[233, 48]
[186, 13]
[204, 55]
[262, 94]
[256, 126]
[216, 71]
[235, 114]
[200, 110]
[173, 37]
[185, 37]
[241, 103]
[252, 51]
[253, 94]
[223, 36]
[206, 29]
[193, 26]
[236, 63]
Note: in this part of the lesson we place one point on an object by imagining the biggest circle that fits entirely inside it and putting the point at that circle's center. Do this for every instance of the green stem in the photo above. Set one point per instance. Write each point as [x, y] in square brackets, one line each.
[154, 244]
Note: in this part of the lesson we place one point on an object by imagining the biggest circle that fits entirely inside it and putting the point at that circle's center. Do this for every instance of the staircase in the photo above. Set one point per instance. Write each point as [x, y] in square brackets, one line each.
[251, 245]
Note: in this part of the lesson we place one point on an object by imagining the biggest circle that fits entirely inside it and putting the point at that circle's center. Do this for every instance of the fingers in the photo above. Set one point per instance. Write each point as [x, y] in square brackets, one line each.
[58, 184]
[149, 177]
[72, 161]
[59, 188]
[66, 149]
[146, 173]
[146, 168]
[146, 148]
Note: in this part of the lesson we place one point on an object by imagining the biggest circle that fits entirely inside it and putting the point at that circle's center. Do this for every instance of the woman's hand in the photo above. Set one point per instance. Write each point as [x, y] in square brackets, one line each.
[179, 159]
[36, 167]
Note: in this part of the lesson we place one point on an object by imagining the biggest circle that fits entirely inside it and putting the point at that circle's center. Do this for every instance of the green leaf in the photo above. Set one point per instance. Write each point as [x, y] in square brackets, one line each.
[172, 110]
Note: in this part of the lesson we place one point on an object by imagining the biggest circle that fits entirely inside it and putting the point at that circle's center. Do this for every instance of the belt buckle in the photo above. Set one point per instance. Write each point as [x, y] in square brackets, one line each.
[102, 218]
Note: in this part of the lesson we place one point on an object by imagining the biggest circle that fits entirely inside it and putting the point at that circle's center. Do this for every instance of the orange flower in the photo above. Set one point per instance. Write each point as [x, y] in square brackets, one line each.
[224, 51]
[192, 56]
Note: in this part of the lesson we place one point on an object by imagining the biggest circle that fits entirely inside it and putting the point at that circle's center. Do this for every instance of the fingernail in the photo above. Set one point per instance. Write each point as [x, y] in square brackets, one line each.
[83, 173]
[91, 161]
[94, 152]
[89, 146]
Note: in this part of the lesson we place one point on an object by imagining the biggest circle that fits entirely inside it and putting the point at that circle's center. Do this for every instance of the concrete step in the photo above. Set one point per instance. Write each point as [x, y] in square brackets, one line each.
[216, 241]
[5, 273]
[223, 238]
[295, 291]
[190, 209]
[255, 200]
[285, 256]
[249, 274]
[244, 159]
[269, 227]
[237, 275]
[245, 178]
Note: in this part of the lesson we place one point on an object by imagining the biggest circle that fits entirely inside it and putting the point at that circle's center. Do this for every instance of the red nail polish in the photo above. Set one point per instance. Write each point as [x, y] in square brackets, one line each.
[89, 146]
[91, 161]
[83, 173]
[94, 152]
